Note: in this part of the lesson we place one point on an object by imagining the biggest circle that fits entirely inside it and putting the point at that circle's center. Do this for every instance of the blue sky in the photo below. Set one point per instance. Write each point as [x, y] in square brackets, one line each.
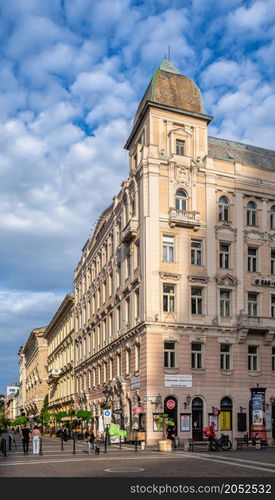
[71, 75]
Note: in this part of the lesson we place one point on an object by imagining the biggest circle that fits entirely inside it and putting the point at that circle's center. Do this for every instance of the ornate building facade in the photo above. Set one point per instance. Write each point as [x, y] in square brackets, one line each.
[174, 292]
[60, 337]
[35, 352]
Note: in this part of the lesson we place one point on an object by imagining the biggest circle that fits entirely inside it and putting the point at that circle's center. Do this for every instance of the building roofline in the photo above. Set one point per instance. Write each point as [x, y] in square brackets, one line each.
[67, 301]
[181, 111]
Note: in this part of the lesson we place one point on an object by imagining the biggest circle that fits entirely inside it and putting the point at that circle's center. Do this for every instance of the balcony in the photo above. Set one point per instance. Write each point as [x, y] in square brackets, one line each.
[54, 374]
[184, 218]
[129, 232]
[255, 324]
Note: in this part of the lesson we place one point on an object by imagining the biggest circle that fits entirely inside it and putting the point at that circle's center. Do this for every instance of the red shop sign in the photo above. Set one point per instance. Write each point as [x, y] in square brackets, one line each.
[170, 404]
[138, 409]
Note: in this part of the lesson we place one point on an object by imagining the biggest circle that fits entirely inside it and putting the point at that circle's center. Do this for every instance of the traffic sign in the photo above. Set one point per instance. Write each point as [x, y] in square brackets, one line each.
[170, 404]
[107, 416]
[118, 411]
[138, 409]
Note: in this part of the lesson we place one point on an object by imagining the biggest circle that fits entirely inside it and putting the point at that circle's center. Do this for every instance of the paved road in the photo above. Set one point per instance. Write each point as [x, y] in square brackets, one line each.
[127, 463]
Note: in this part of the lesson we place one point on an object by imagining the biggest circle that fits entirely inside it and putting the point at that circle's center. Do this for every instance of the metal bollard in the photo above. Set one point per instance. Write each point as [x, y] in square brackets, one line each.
[73, 444]
[40, 447]
[62, 447]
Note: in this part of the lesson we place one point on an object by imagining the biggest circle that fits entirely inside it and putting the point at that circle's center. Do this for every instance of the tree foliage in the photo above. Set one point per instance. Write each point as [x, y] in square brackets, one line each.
[84, 414]
[163, 421]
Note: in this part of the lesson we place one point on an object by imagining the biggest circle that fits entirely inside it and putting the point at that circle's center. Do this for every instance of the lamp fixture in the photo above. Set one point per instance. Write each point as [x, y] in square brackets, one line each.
[187, 401]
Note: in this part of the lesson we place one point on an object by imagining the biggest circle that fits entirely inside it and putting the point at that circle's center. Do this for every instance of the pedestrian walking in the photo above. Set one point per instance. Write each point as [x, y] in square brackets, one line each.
[25, 435]
[90, 441]
[36, 436]
[65, 434]
[12, 437]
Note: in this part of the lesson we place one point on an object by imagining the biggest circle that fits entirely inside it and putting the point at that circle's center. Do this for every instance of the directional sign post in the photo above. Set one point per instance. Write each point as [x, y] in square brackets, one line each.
[107, 417]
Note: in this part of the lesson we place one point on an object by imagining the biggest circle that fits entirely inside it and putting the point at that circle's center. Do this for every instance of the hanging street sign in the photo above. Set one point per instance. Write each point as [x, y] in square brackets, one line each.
[118, 411]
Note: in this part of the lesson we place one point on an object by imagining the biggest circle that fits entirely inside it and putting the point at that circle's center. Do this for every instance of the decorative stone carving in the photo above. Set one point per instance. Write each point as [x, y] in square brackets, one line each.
[226, 280]
[182, 177]
[170, 276]
[258, 235]
[198, 279]
[225, 226]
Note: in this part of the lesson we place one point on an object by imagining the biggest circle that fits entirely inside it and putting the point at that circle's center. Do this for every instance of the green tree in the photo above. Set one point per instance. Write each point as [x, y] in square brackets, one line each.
[60, 415]
[163, 421]
[84, 414]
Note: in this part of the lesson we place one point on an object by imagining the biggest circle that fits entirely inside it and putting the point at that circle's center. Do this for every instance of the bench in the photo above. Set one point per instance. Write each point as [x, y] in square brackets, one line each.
[250, 442]
[193, 443]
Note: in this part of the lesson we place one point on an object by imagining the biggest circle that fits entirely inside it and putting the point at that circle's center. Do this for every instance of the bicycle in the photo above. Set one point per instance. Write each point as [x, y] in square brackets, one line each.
[223, 443]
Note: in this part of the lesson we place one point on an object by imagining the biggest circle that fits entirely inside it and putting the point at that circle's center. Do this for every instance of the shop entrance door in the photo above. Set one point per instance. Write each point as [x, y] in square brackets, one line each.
[197, 419]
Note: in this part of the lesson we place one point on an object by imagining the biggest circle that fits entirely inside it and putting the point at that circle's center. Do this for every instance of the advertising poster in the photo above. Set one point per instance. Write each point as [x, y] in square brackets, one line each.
[185, 423]
[225, 421]
[258, 429]
[213, 418]
[257, 417]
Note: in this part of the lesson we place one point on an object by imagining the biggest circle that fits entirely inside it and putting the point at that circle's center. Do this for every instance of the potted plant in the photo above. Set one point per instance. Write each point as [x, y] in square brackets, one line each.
[163, 421]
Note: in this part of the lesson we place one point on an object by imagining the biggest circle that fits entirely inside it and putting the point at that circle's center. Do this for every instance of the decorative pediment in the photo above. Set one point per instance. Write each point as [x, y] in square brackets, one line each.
[227, 280]
[258, 235]
[170, 276]
[180, 131]
[225, 226]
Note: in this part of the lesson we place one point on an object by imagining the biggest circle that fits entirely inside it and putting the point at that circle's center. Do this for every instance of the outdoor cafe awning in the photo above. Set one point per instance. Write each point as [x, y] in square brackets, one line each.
[69, 419]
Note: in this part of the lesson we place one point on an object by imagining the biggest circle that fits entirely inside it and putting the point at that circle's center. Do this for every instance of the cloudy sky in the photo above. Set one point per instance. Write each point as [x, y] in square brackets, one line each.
[71, 75]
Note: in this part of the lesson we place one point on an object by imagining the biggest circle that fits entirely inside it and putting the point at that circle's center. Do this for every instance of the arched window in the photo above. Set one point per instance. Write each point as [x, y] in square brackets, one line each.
[272, 217]
[251, 213]
[181, 199]
[223, 208]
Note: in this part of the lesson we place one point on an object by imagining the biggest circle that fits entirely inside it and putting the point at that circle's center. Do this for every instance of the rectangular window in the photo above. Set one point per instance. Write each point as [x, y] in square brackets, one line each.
[98, 374]
[196, 300]
[225, 355]
[104, 372]
[137, 357]
[225, 303]
[127, 265]
[252, 358]
[111, 368]
[224, 255]
[273, 358]
[169, 298]
[180, 147]
[110, 284]
[127, 312]
[252, 304]
[137, 303]
[118, 320]
[252, 259]
[196, 356]
[196, 252]
[272, 262]
[168, 248]
[118, 361]
[94, 376]
[272, 306]
[128, 361]
[169, 354]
